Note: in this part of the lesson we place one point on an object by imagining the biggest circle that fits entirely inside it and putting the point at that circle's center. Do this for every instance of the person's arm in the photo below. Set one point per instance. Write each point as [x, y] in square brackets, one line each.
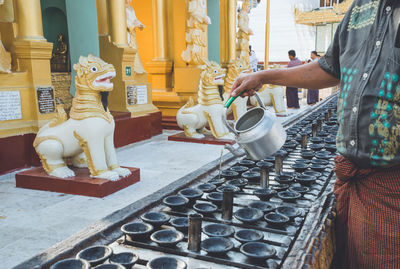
[309, 76]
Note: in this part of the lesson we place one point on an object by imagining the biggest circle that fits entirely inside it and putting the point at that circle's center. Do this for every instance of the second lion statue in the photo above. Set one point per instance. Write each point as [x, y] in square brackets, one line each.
[210, 109]
[87, 137]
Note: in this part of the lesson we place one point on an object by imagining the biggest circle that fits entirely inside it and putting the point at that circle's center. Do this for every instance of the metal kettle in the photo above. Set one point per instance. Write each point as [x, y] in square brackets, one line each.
[257, 132]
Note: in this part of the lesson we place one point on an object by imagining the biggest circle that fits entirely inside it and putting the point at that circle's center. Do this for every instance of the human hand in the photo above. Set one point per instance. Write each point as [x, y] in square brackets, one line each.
[246, 82]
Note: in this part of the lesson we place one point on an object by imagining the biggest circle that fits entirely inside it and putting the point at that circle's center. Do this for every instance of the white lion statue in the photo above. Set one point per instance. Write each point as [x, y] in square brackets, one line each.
[193, 118]
[87, 137]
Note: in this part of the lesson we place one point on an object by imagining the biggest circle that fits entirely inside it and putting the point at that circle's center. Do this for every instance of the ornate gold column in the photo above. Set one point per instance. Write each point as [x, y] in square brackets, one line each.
[267, 16]
[102, 18]
[228, 30]
[160, 29]
[161, 66]
[32, 55]
[29, 18]
[117, 21]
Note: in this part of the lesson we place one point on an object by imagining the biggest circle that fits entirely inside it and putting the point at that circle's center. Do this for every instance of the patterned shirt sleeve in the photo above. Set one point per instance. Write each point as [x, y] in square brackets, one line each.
[330, 61]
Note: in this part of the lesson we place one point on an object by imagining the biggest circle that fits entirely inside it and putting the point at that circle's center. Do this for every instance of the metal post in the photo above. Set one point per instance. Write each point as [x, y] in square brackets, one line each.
[326, 116]
[264, 177]
[194, 232]
[278, 164]
[314, 128]
[304, 138]
[319, 124]
[227, 204]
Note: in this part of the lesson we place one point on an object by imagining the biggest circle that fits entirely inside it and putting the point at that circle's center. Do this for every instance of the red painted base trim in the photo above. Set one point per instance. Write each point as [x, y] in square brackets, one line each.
[81, 184]
[169, 123]
[208, 139]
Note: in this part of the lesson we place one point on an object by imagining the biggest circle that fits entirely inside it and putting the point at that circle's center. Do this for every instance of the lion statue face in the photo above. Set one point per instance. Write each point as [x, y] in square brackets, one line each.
[213, 74]
[238, 66]
[94, 73]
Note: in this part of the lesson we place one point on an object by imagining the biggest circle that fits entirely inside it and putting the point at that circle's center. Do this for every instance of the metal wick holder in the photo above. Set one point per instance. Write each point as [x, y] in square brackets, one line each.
[278, 164]
[227, 204]
[314, 129]
[304, 138]
[264, 176]
[319, 124]
[326, 116]
[194, 232]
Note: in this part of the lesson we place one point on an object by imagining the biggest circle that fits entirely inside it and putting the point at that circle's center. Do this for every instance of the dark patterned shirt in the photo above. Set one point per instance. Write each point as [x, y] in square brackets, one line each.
[365, 56]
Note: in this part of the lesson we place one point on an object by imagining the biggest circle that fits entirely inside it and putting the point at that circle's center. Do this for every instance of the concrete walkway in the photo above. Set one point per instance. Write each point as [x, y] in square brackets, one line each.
[32, 221]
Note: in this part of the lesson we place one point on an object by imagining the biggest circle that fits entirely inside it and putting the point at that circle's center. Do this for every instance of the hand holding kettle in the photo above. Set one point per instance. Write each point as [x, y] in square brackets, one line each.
[258, 131]
[247, 84]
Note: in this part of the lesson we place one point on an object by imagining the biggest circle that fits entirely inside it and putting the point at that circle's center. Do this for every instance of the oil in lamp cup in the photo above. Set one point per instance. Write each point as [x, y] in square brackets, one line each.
[227, 204]
[304, 138]
[278, 164]
[194, 232]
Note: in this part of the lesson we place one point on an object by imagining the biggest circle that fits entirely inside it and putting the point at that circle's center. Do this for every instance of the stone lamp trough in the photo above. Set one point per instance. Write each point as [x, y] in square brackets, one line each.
[216, 220]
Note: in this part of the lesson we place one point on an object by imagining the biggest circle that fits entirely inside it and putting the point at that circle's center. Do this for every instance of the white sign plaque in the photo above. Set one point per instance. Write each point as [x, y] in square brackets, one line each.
[141, 94]
[10, 105]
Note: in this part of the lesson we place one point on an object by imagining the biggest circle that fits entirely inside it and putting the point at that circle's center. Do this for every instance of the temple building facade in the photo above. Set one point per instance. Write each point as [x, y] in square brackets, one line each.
[156, 47]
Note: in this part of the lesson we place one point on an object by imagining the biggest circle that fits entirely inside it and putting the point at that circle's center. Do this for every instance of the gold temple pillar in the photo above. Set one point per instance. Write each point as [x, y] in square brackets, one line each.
[228, 30]
[160, 67]
[31, 53]
[114, 49]
[117, 21]
[102, 18]
[267, 16]
[29, 17]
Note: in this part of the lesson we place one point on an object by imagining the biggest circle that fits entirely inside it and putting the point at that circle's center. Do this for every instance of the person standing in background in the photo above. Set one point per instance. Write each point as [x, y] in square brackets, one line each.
[253, 60]
[313, 95]
[292, 94]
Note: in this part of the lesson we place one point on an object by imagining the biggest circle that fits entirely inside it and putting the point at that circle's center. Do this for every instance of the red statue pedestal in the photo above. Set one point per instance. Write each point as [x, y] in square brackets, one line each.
[208, 139]
[81, 184]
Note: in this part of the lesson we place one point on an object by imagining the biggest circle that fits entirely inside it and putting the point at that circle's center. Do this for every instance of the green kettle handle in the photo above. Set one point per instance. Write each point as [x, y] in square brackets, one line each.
[233, 98]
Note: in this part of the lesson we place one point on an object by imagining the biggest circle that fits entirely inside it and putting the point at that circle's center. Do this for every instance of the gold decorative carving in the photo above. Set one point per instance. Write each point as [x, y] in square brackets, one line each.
[60, 58]
[243, 51]
[84, 145]
[114, 166]
[40, 139]
[235, 68]
[210, 109]
[196, 35]
[87, 101]
[212, 127]
[132, 24]
[61, 117]
[5, 60]
[326, 15]
[187, 132]
[209, 81]
[49, 167]
[62, 83]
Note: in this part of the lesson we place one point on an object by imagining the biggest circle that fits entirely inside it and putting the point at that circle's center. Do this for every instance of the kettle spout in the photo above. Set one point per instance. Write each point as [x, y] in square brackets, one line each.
[237, 152]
